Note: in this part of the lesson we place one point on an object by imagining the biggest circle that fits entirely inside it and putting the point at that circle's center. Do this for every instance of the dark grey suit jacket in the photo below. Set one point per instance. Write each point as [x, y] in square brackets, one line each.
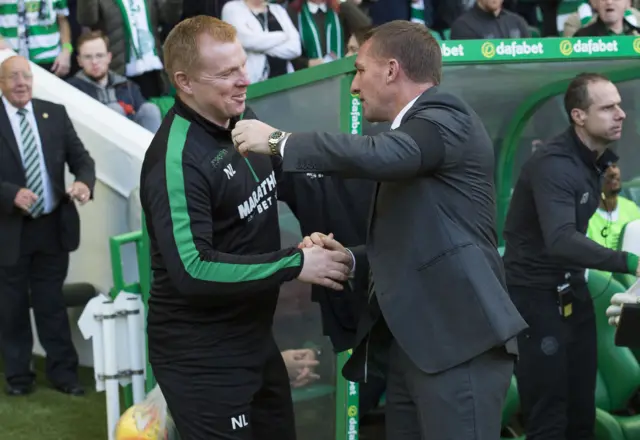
[431, 241]
[60, 146]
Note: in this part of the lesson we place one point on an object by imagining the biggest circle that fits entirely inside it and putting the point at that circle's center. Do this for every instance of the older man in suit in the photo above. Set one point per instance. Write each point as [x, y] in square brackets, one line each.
[440, 326]
[39, 226]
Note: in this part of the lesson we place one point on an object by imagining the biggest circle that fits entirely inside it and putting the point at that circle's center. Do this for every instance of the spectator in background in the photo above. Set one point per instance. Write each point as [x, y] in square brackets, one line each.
[267, 34]
[133, 33]
[489, 20]
[39, 227]
[324, 27]
[587, 15]
[612, 19]
[356, 40]
[613, 212]
[113, 90]
[38, 31]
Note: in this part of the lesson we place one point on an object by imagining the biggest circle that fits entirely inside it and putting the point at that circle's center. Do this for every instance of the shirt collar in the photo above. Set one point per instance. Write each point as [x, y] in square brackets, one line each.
[398, 120]
[213, 129]
[590, 157]
[12, 111]
[314, 7]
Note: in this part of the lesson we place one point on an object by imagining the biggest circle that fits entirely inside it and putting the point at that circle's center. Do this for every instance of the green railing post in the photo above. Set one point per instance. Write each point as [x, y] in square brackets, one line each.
[144, 266]
[119, 283]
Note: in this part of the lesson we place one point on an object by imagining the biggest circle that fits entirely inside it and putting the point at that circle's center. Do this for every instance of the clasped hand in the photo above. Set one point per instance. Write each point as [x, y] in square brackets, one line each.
[326, 261]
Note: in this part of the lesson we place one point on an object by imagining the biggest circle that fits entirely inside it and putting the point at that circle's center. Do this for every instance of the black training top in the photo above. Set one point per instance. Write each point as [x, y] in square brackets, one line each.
[217, 266]
[545, 233]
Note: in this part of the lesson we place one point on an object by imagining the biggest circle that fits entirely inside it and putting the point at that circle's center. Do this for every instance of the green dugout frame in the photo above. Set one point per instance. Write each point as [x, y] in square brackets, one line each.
[613, 50]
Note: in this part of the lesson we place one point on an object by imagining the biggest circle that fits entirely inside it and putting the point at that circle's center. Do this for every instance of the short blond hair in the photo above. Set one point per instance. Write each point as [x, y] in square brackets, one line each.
[181, 51]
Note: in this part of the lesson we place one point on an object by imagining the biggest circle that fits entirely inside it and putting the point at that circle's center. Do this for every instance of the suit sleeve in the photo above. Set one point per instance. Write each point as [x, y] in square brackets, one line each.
[81, 165]
[179, 207]
[555, 199]
[8, 192]
[416, 148]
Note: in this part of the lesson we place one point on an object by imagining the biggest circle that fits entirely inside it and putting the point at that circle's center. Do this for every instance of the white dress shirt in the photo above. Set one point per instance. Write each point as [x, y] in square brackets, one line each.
[398, 119]
[14, 119]
[314, 7]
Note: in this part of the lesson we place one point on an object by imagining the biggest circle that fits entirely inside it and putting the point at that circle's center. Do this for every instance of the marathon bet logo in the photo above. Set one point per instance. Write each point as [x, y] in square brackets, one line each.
[452, 51]
[514, 49]
[262, 198]
[588, 47]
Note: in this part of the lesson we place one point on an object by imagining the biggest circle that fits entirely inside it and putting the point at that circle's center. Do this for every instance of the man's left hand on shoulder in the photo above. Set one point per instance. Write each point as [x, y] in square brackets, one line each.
[252, 135]
[79, 191]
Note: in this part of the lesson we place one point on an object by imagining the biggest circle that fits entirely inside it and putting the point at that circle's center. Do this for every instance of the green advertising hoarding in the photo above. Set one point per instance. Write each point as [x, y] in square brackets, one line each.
[538, 49]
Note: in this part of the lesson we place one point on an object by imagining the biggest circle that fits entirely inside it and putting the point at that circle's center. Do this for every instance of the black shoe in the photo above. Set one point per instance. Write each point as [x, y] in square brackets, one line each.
[19, 390]
[73, 390]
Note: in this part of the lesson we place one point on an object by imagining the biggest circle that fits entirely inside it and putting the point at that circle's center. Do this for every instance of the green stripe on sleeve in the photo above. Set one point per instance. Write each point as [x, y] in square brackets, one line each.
[194, 266]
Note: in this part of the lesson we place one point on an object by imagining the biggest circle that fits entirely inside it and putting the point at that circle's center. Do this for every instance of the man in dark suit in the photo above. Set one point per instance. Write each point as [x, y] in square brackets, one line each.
[39, 226]
[440, 323]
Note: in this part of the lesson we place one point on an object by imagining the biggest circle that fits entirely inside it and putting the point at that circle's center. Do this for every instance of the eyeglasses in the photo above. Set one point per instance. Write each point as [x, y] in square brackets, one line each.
[97, 57]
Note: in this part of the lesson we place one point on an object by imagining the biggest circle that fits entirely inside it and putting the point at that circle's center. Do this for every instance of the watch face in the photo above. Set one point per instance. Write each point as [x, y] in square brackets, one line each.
[276, 135]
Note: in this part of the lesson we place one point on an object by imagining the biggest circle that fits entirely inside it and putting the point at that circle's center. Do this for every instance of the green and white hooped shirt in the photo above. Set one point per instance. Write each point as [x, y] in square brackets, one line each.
[30, 27]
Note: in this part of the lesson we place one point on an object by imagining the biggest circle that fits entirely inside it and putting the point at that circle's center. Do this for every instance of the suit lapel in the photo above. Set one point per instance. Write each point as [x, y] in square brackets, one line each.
[44, 130]
[6, 131]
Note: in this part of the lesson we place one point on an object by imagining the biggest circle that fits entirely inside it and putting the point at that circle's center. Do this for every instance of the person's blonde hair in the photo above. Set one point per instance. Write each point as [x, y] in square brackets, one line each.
[181, 51]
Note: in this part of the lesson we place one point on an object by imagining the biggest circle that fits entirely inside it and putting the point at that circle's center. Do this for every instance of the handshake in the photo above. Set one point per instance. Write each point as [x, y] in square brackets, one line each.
[326, 262]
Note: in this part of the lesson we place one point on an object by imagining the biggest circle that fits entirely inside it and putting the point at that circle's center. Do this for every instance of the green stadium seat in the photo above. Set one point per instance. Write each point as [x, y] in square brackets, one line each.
[618, 369]
[535, 32]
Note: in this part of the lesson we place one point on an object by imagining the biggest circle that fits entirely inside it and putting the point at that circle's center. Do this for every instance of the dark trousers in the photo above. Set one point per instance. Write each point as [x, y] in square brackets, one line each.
[462, 403]
[36, 280]
[556, 369]
[229, 403]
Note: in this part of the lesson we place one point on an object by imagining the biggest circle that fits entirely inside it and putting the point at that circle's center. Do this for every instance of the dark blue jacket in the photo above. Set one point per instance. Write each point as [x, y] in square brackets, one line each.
[118, 90]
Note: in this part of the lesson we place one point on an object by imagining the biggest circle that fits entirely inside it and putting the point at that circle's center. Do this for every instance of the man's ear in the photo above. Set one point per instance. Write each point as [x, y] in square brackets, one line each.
[393, 70]
[183, 82]
[578, 116]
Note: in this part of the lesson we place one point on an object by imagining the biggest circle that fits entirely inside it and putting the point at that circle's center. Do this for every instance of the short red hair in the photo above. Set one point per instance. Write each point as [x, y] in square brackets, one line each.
[296, 5]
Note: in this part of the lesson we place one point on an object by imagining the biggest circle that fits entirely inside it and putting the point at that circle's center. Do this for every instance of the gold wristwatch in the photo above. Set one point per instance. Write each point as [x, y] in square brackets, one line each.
[274, 141]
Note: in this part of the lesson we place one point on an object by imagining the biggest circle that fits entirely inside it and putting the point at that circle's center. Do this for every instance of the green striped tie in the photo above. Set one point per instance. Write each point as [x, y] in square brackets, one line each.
[31, 161]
